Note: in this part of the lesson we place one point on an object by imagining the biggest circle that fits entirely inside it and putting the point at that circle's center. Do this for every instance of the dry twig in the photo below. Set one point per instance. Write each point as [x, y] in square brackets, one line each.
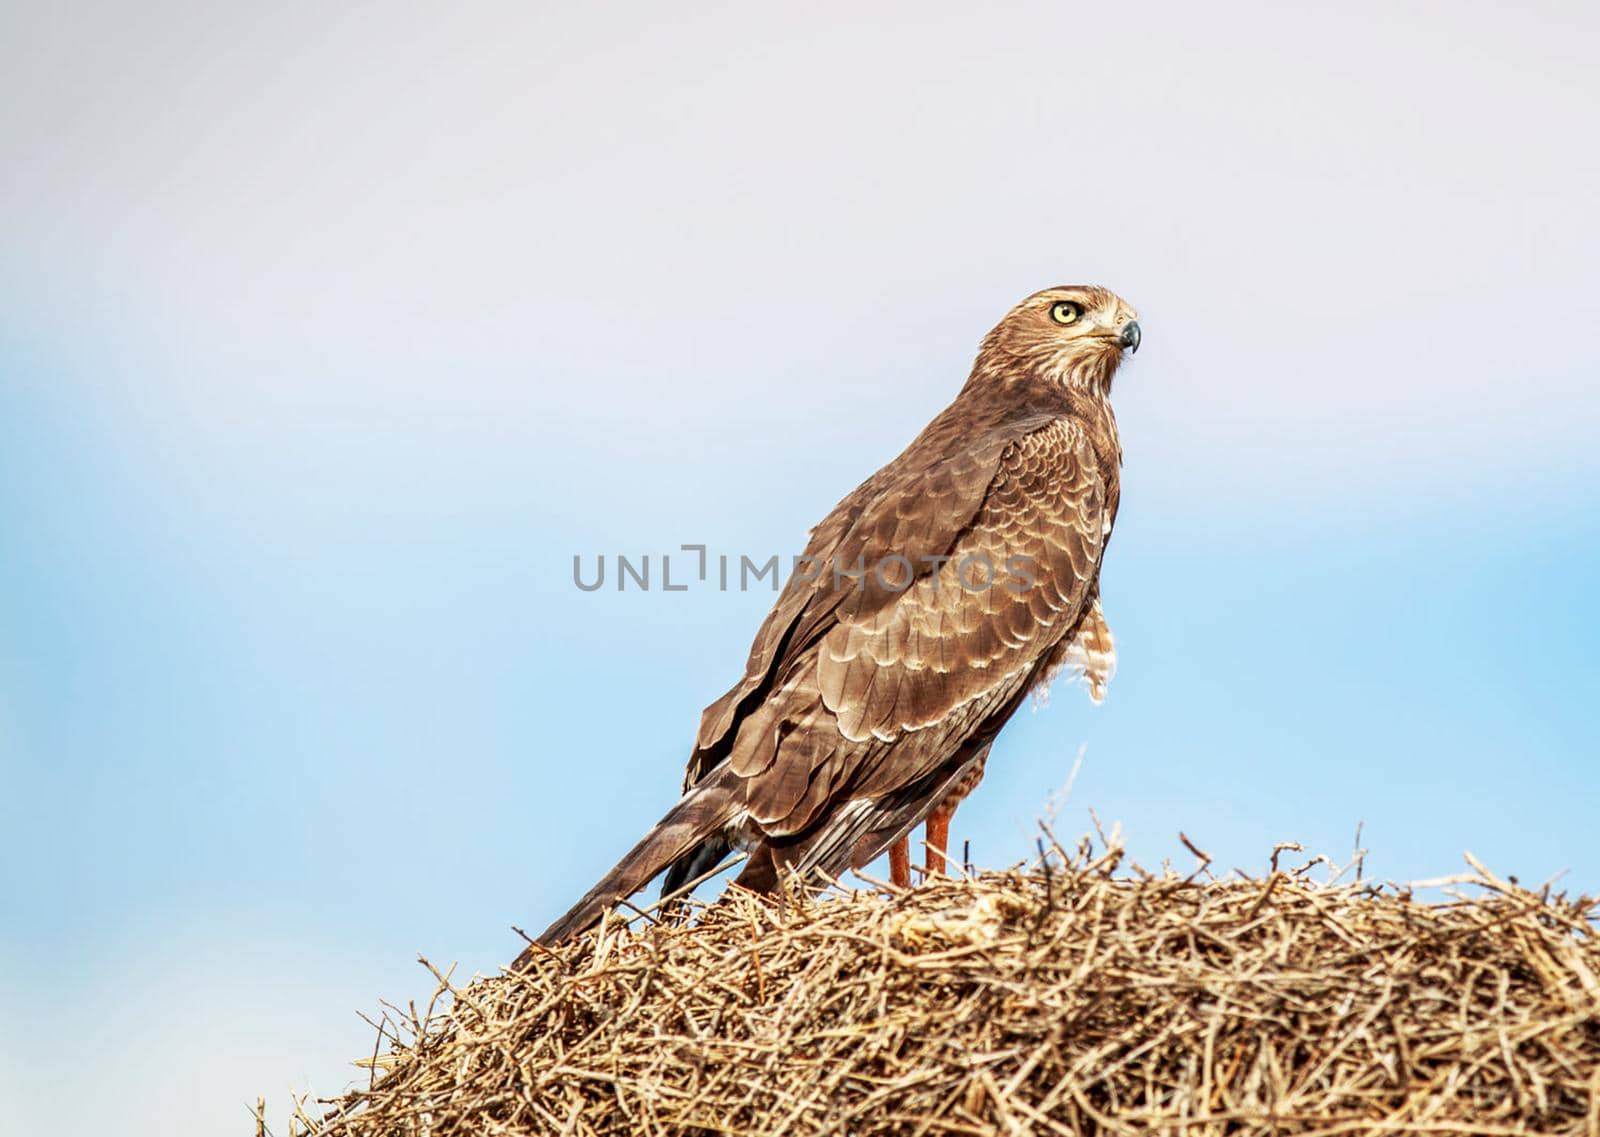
[1064, 999]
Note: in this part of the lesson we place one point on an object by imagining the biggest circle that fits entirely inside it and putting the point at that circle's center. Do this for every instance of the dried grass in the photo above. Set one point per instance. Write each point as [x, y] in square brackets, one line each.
[1068, 998]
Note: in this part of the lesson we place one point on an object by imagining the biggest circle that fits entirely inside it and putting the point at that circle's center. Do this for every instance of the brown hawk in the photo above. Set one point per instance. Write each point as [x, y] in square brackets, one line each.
[928, 604]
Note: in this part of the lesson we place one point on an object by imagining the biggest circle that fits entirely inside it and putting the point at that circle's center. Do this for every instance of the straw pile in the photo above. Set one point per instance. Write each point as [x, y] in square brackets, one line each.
[1067, 998]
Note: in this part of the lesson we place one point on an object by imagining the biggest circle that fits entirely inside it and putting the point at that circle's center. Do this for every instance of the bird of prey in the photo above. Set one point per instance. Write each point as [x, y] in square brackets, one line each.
[927, 605]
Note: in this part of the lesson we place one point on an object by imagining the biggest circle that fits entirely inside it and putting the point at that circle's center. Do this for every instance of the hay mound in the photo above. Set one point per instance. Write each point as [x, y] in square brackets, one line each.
[1068, 999]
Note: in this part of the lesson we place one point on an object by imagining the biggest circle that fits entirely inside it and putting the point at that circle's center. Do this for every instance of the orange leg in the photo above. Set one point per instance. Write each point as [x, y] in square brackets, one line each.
[938, 838]
[900, 863]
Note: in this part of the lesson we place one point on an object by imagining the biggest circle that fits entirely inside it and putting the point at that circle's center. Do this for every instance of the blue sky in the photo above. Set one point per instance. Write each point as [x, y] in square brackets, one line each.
[328, 340]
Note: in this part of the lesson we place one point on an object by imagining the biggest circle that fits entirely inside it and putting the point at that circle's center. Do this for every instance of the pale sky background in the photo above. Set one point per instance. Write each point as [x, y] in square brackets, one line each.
[330, 333]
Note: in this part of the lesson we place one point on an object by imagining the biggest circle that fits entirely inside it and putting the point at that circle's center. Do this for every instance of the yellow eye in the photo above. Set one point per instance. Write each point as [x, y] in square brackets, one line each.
[1065, 312]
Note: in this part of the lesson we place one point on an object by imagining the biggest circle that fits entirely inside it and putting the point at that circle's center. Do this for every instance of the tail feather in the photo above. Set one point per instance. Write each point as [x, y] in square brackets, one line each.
[695, 864]
[701, 813]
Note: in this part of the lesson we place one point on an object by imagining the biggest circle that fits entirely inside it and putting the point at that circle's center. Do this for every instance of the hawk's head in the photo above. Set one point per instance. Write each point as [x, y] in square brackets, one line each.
[1075, 334]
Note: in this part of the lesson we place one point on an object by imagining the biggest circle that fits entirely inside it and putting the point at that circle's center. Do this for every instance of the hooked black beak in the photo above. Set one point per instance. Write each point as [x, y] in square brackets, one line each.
[1130, 336]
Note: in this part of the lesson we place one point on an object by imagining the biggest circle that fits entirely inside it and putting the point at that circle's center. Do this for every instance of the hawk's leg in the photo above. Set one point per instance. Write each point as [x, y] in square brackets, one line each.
[938, 838]
[900, 863]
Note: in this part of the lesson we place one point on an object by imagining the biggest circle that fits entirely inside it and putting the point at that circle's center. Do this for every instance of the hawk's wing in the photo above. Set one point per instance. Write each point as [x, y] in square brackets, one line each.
[916, 509]
[1019, 578]
[896, 682]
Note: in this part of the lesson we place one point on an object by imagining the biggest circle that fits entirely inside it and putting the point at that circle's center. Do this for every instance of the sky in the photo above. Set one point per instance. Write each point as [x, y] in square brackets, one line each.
[330, 335]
